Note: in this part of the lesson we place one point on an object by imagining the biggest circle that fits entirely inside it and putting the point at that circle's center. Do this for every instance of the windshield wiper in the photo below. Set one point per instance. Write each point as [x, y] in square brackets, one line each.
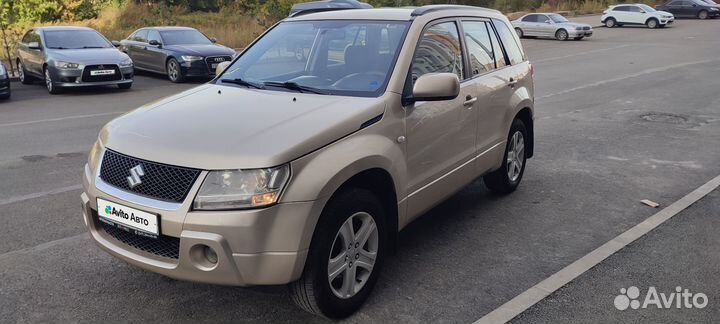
[293, 86]
[93, 47]
[242, 82]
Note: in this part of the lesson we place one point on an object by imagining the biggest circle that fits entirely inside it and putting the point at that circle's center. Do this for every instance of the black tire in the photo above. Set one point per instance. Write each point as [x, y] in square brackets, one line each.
[703, 14]
[175, 76]
[610, 22]
[24, 77]
[499, 182]
[5, 96]
[313, 292]
[125, 86]
[579, 38]
[561, 35]
[652, 23]
[519, 32]
[50, 85]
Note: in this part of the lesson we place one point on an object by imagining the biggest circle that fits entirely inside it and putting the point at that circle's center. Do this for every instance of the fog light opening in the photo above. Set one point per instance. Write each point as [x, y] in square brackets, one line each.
[203, 257]
[210, 255]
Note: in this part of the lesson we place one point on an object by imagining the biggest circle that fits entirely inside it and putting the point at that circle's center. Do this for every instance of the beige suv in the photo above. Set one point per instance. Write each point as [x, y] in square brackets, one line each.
[300, 162]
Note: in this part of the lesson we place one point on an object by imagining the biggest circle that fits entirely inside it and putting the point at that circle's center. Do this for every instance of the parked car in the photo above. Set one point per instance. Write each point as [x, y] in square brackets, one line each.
[691, 8]
[550, 25]
[178, 52]
[302, 171]
[636, 14]
[4, 82]
[66, 57]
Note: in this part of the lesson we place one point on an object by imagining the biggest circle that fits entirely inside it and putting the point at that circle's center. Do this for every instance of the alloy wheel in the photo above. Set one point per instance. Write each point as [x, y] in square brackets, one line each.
[652, 23]
[352, 255]
[703, 14]
[562, 35]
[21, 72]
[515, 156]
[48, 81]
[610, 23]
[173, 70]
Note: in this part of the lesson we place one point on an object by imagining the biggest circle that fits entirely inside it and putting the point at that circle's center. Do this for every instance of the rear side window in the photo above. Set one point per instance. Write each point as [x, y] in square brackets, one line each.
[635, 9]
[479, 46]
[439, 51]
[530, 18]
[511, 46]
[497, 49]
[621, 8]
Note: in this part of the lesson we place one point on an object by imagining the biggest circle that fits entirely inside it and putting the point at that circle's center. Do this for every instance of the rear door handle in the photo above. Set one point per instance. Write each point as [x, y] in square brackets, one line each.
[470, 101]
[512, 83]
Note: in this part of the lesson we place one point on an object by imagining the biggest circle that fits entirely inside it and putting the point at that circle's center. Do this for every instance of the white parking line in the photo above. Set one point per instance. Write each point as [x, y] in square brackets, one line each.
[61, 118]
[626, 76]
[38, 194]
[535, 294]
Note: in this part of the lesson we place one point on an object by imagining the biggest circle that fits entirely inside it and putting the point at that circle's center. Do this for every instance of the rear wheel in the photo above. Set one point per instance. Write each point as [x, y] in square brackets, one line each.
[24, 77]
[519, 32]
[506, 179]
[345, 256]
[173, 71]
[703, 14]
[561, 35]
[610, 22]
[652, 23]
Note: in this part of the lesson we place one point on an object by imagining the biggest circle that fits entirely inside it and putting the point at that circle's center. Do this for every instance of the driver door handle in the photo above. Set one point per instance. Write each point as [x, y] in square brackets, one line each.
[469, 101]
[512, 83]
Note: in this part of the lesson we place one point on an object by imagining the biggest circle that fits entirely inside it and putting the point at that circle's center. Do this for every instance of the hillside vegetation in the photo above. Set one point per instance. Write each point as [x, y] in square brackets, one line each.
[233, 22]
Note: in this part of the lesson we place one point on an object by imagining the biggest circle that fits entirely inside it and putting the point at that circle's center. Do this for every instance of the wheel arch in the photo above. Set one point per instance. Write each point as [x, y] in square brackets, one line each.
[652, 18]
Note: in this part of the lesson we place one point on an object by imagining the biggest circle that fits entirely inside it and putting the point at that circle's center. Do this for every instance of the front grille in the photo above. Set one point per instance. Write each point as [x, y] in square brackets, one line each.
[164, 246]
[160, 181]
[86, 77]
[586, 28]
[210, 60]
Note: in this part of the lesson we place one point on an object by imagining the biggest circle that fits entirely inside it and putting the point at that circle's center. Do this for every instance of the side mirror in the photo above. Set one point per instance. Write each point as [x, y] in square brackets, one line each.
[116, 43]
[436, 87]
[33, 45]
[213, 39]
[221, 67]
[547, 21]
[154, 42]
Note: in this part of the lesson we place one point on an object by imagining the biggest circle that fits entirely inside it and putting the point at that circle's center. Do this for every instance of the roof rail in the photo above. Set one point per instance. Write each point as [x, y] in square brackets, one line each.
[433, 8]
[305, 8]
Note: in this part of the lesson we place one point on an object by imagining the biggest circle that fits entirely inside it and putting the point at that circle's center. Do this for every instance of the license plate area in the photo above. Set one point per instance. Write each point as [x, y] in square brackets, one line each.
[128, 218]
[102, 72]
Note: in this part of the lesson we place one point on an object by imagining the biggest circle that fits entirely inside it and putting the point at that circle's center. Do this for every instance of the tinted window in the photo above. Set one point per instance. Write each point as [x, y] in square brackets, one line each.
[28, 37]
[479, 46]
[530, 18]
[141, 36]
[184, 36]
[497, 50]
[154, 35]
[635, 9]
[509, 43]
[621, 8]
[439, 51]
[75, 39]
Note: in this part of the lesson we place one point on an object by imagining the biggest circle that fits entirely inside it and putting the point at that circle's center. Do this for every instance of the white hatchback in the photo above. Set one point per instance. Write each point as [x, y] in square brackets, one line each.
[636, 14]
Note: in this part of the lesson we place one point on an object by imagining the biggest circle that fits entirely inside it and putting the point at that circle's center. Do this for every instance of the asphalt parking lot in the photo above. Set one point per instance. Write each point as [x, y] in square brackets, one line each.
[626, 115]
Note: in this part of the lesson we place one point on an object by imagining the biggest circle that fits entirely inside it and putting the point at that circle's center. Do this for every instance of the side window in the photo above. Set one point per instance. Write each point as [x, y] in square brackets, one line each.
[28, 37]
[635, 9]
[439, 51]
[511, 46]
[141, 36]
[35, 37]
[154, 35]
[543, 19]
[621, 8]
[530, 18]
[479, 46]
[497, 49]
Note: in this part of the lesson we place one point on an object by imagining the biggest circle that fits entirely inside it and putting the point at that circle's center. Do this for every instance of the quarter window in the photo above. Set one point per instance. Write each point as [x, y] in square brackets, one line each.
[479, 46]
[439, 51]
[507, 37]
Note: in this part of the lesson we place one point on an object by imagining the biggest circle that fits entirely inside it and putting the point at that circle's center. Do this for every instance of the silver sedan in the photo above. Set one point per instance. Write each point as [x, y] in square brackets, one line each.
[550, 25]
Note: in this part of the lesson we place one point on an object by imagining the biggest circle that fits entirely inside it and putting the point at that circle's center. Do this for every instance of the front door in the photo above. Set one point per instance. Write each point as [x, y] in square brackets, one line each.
[441, 134]
[154, 54]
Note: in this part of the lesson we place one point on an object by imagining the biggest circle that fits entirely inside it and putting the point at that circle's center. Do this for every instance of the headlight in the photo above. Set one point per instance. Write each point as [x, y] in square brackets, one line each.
[95, 155]
[714, 9]
[66, 65]
[126, 63]
[191, 58]
[578, 28]
[234, 189]
[2, 70]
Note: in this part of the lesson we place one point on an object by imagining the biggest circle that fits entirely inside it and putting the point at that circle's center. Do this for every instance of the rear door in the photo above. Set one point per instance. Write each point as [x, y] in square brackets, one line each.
[529, 25]
[136, 50]
[622, 14]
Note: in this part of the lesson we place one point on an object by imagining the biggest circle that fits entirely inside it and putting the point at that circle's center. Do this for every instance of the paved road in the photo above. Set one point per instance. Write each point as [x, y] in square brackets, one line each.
[628, 114]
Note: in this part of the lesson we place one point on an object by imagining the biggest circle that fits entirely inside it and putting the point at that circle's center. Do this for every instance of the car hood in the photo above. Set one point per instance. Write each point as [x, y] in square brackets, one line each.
[665, 13]
[573, 25]
[201, 50]
[88, 55]
[216, 127]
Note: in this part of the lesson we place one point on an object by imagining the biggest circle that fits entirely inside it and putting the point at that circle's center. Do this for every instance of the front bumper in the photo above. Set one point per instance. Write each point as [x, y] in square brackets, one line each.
[74, 77]
[254, 247]
[667, 21]
[580, 33]
[4, 87]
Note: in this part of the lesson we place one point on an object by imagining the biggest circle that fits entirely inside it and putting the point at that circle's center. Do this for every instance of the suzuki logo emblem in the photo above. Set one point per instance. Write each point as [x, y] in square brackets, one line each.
[135, 173]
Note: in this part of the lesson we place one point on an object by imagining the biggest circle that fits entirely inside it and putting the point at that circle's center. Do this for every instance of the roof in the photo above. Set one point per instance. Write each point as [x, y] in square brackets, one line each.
[402, 14]
[62, 28]
[162, 28]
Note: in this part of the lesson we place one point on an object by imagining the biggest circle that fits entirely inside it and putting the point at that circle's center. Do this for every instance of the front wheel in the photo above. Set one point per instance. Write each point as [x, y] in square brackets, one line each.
[49, 83]
[703, 14]
[561, 35]
[174, 71]
[506, 179]
[652, 23]
[345, 256]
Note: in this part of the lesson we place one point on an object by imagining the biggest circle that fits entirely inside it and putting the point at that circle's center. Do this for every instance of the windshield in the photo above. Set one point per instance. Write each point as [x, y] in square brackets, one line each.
[558, 18]
[341, 57]
[710, 2]
[74, 39]
[184, 37]
[647, 8]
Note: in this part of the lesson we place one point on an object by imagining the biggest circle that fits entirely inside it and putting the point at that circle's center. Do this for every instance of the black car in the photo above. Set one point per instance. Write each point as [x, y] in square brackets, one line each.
[702, 9]
[4, 82]
[178, 52]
